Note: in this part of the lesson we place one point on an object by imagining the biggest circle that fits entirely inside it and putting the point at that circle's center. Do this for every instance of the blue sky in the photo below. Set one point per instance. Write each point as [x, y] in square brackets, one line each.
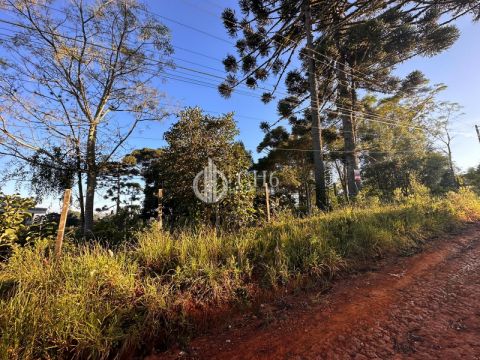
[457, 68]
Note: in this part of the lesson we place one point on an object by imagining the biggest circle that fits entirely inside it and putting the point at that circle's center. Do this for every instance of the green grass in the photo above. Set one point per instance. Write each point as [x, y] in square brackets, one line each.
[97, 304]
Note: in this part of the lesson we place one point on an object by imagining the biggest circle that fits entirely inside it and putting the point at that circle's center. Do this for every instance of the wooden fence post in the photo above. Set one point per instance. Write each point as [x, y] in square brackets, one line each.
[63, 222]
[267, 200]
[160, 210]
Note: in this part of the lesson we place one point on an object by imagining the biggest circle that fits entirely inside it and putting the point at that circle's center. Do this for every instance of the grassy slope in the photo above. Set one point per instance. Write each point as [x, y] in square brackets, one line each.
[94, 303]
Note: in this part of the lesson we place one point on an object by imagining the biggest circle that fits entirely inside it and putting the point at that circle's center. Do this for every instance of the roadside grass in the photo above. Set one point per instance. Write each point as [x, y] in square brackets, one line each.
[97, 304]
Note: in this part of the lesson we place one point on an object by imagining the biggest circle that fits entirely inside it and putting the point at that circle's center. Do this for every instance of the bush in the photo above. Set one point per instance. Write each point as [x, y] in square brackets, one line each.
[116, 229]
[13, 213]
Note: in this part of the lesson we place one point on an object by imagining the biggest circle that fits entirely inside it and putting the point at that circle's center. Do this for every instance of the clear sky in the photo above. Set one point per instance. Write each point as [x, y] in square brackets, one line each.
[204, 47]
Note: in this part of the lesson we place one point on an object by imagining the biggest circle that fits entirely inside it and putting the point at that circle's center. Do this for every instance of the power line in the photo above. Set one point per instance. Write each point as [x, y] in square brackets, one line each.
[344, 112]
[174, 46]
[180, 78]
[336, 61]
[214, 86]
[292, 42]
[327, 152]
[188, 69]
[352, 112]
[199, 82]
[191, 27]
[214, 36]
[156, 62]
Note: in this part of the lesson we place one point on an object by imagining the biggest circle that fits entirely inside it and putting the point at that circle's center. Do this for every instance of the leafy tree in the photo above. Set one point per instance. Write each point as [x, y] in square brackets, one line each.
[290, 157]
[70, 74]
[363, 53]
[394, 154]
[191, 141]
[118, 228]
[272, 33]
[149, 165]
[343, 47]
[439, 125]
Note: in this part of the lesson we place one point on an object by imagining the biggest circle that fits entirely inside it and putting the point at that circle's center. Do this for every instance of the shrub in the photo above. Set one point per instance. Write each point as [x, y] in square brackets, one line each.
[13, 213]
[116, 229]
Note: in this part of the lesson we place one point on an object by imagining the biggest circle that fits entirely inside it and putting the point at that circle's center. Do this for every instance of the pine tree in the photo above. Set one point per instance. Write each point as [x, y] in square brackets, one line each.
[117, 178]
[272, 33]
[344, 47]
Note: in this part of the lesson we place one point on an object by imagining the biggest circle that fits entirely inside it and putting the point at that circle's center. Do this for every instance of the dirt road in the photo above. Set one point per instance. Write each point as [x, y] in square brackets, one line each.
[422, 307]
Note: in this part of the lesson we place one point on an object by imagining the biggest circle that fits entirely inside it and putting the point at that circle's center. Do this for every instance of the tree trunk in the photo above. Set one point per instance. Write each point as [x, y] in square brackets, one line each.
[117, 210]
[81, 199]
[91, 179]
[348, 123]
[319, 166]
[89, 201]
[80, 186]
[341, 175]
[308, 197]
[450, 162]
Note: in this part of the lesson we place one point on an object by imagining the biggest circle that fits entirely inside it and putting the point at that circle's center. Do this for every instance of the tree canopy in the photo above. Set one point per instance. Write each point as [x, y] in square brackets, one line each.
[70, 76]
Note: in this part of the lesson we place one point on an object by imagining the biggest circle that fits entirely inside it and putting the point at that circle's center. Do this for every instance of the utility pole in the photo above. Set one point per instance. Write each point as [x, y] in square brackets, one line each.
[478, 132]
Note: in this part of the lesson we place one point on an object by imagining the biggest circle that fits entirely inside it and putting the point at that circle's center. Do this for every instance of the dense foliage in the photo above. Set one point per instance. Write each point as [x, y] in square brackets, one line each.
[14, 211]
[472, 179]
[193, 141]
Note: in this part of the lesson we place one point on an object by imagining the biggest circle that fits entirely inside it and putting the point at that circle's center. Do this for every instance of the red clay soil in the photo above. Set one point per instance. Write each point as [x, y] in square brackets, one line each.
[422, 307]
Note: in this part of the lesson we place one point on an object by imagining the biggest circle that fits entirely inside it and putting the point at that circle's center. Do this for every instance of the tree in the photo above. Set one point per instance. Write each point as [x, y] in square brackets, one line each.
[70, 76]
[289, 155]
[367, 50]
[343, 46]
[394, 154]
[14, 210]
[440, 130]
[472, 179]
[362, 53]
[149, 166]
[191, 142]
[273, 32]
[117, 178]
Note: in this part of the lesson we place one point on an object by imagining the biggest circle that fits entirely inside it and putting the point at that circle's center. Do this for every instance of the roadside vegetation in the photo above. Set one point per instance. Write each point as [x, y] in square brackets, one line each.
[157, 289]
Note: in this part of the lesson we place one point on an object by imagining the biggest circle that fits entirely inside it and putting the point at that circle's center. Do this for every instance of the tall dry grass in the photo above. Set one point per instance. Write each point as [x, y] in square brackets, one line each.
[97, 304]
